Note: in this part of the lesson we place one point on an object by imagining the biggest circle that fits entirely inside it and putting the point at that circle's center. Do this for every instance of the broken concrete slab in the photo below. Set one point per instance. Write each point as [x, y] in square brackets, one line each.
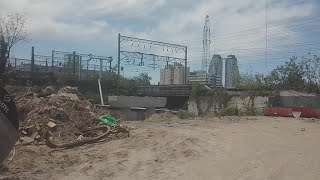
[34, 135]
[26, 140]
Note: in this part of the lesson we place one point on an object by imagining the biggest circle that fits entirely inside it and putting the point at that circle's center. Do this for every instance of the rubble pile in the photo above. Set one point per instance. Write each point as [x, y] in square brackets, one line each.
[63, 114]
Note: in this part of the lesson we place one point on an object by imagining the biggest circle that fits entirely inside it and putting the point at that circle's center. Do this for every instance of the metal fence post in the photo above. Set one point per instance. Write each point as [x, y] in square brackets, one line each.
[74, 64]
[46, 64]
[80, 66]
[32, 59]
[52, 60]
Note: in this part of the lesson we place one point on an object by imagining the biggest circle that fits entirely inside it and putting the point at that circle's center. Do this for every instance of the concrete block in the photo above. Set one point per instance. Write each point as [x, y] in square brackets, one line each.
[193, 108]
[136, 115]
[296, 93]
[134, 101]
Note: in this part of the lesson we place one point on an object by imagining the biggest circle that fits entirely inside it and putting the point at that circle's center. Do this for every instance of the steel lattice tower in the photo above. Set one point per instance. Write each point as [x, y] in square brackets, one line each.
[206, 44]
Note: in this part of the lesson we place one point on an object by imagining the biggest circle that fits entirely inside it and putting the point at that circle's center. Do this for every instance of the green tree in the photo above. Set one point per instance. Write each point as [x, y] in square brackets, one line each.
[253, 84]
[143, 79]
[288, 76]
[250, 81]
[311, 67]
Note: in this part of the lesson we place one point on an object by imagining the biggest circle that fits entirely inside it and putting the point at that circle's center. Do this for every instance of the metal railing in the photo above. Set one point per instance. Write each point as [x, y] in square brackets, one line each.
[74, 64]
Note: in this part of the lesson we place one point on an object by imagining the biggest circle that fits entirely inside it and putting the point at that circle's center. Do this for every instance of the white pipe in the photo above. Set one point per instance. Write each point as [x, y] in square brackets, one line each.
[100, 91]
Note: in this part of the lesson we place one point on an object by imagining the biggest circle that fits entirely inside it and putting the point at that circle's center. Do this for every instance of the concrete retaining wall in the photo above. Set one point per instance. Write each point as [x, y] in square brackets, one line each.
[134, 101]
[132, 108]
[241, 103]
[132, 114]
[294, 102]
[294, 99]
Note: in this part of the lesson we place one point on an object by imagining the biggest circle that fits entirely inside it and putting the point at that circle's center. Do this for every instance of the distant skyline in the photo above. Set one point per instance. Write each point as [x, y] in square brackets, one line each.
[237, 27]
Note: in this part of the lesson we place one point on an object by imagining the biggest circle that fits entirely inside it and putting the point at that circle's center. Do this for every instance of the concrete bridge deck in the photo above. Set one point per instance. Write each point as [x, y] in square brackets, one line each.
[164, 90]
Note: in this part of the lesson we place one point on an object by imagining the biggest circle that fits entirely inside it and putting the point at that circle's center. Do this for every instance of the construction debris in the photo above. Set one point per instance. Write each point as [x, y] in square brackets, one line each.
[51, 124]
[34, 135]
[59, 119]
[26, 140]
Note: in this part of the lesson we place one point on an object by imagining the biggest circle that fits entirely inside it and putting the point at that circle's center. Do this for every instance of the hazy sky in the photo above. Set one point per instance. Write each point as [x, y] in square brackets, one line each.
[237, 26]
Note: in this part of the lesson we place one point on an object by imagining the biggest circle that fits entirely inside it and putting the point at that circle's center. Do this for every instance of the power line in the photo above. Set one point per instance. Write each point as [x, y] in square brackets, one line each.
[243, 37]
[271, 31]
[272, 49]
[260, 28]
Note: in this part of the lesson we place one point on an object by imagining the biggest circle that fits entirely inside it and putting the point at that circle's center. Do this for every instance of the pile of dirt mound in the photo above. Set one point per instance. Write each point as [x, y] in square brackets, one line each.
[64, 114]
[18, 91]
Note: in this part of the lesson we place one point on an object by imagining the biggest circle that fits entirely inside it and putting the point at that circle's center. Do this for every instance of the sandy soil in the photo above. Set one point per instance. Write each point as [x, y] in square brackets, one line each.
[246, 148]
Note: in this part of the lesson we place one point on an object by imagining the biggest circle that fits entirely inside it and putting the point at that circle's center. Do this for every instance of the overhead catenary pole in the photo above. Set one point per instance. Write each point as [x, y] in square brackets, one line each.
[52, 60]
[80, 66]
[154, 63]
[118, 78]
[167, 65]
[46, 64]
[88, 65]
[74, 64]
[32, 59]
[186, 74]
[267, 35]
[110, 67]
[101, 69]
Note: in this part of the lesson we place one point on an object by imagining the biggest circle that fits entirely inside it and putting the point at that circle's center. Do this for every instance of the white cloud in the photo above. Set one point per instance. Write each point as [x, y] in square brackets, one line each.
[181, 21]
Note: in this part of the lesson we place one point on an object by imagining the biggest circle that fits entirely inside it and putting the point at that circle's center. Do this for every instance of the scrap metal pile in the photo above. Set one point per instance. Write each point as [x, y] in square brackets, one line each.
[60, 120]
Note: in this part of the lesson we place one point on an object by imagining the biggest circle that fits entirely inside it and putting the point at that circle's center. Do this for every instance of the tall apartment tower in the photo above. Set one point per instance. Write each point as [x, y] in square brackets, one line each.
[231, 72]
[216, 69]
[201, 77]
[166, 75]
[173, 74]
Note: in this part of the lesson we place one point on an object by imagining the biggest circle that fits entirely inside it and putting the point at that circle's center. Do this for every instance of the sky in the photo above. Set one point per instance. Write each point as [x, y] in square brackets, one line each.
[237, 27]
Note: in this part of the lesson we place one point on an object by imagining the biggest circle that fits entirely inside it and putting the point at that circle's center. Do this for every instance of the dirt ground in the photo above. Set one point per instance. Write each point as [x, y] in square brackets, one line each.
[242, 148]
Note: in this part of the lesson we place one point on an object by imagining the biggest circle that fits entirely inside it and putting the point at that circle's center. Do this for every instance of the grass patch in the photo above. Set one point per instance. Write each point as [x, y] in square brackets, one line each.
[185, 115]
[229, 112]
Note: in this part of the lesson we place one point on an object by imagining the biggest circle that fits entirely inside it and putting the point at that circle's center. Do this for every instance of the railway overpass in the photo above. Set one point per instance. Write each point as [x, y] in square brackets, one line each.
[177, 95]
[174, 90]
[165, 90]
